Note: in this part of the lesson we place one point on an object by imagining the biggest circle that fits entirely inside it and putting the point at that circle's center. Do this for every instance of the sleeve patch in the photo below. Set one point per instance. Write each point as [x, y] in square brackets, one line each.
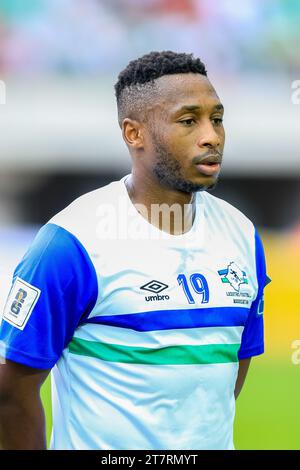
[20, 303]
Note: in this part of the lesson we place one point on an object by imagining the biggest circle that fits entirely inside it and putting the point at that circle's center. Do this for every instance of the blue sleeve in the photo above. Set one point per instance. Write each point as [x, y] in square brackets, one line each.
[54, 288]
[253, 335]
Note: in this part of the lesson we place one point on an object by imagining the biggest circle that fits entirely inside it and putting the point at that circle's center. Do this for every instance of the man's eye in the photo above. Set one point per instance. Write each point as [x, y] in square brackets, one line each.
[188, 122]
[217, 121]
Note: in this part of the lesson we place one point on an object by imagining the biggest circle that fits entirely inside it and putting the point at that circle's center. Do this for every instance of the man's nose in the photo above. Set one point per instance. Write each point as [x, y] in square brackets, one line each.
[208, 137]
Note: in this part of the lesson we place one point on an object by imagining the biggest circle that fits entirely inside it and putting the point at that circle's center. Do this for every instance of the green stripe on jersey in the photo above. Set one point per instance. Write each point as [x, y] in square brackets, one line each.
[185, 354]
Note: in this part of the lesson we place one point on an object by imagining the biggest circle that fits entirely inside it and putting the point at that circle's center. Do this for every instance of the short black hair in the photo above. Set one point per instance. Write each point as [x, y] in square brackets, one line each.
[133, 80]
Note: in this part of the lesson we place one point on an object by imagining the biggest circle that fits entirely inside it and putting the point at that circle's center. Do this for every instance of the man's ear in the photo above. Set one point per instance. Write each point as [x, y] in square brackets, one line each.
[133, 133]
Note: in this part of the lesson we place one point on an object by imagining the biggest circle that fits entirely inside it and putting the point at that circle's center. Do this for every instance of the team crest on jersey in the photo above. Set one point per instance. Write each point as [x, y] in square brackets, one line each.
[233, 275]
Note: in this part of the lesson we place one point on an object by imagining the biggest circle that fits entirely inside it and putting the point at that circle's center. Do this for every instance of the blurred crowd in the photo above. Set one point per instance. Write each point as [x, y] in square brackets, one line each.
[101, 36]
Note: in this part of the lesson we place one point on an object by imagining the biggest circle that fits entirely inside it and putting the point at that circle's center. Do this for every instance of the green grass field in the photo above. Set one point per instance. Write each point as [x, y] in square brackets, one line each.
[268, 410]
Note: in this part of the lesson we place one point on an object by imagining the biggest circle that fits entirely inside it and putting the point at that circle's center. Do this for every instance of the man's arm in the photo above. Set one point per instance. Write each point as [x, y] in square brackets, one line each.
[22, 418]
[243, 369]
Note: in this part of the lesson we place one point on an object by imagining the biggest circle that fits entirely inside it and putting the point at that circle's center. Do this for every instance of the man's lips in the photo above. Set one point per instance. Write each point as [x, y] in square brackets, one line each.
[209, 165]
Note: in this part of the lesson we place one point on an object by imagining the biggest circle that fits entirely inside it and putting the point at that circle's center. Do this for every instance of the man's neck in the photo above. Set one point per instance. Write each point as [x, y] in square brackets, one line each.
[169, 210]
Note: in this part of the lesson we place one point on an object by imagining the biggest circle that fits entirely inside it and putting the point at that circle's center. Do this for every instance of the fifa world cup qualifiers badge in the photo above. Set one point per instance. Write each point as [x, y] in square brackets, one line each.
[20, 303]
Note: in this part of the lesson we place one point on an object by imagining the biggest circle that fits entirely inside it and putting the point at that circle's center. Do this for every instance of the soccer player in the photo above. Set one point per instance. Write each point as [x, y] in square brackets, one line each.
[144, 297]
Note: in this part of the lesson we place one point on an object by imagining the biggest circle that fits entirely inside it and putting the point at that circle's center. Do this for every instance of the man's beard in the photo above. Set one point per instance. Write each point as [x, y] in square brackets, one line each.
[168, 172]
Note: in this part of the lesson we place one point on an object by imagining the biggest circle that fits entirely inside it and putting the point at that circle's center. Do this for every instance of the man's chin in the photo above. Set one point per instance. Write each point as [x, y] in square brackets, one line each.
[178, 183]
[193, 187]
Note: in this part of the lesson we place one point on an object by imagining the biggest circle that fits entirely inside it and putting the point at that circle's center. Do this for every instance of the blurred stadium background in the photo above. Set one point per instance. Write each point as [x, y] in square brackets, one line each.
[59, 138]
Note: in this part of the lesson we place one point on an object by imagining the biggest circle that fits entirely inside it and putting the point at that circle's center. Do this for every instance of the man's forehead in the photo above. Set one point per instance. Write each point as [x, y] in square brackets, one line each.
[180, 89]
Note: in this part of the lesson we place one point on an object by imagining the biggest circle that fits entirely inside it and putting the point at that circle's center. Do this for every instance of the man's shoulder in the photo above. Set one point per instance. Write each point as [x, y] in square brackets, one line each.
[80, 218]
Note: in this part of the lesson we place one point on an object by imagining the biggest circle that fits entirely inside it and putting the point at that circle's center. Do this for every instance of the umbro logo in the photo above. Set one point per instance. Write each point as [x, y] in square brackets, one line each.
[155, 287]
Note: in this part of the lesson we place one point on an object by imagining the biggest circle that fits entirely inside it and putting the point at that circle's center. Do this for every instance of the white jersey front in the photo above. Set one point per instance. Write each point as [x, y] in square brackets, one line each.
[144, 329]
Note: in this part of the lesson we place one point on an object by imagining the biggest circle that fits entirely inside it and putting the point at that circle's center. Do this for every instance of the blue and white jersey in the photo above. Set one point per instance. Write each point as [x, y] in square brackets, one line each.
[143, 329]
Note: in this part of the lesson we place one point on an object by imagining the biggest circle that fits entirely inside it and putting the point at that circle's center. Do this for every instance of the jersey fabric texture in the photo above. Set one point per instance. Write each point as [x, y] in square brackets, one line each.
[143, 329]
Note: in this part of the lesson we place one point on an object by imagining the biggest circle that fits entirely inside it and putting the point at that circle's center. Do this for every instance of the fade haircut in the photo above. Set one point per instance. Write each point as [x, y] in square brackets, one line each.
[135, 88]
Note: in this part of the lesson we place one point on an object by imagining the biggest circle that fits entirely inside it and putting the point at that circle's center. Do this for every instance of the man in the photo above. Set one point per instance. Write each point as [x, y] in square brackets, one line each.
[146, 295]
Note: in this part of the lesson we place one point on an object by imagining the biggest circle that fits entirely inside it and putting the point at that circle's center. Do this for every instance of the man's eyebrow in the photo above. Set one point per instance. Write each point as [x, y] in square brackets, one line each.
[218, 107]
[190, 108]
